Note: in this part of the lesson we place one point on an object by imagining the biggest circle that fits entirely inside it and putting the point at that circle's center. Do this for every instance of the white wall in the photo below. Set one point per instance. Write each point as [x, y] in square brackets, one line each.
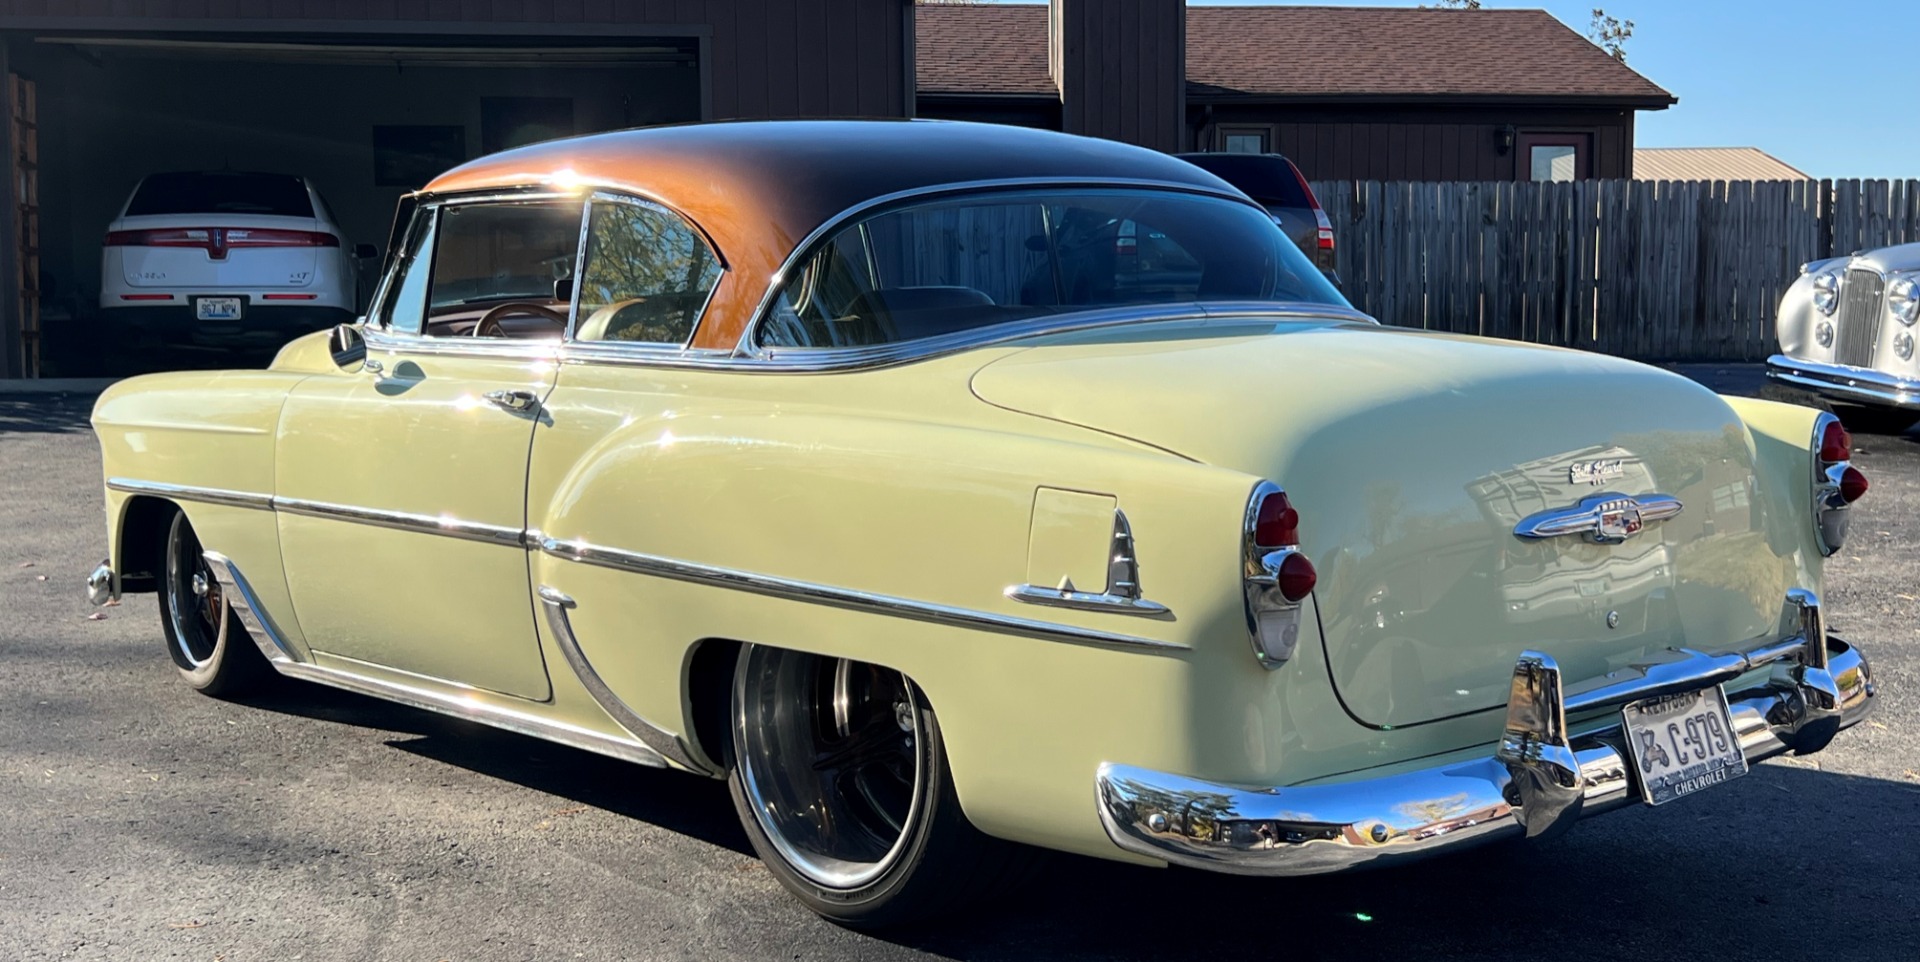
[106, 123]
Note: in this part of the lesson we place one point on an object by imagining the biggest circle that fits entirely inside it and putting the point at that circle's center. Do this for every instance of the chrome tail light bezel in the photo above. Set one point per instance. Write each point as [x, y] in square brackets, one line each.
[1831, 509]
[1273, 619]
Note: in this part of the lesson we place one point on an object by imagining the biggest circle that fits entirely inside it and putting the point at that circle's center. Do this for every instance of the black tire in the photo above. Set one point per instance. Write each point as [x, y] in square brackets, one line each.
[1875, 420]
[204, 637]
[935, 863]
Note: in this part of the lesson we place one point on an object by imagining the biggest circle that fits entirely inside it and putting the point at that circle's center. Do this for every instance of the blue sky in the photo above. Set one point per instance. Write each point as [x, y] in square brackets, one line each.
[1831, 88]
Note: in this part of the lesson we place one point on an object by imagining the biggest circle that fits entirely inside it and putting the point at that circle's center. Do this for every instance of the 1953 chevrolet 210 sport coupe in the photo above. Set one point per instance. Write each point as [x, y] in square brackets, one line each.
[957, 490]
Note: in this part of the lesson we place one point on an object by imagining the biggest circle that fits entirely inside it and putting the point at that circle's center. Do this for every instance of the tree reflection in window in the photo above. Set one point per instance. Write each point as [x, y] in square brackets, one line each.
[647, 276]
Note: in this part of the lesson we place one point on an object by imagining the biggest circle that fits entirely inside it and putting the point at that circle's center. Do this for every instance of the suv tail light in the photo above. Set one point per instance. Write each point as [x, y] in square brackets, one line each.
[217, 241]
[1277, 575]
[1837, 484]
[1324, 234]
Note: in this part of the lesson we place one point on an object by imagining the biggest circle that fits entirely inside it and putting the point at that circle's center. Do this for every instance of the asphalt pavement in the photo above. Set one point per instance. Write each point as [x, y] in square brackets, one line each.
[139, 820]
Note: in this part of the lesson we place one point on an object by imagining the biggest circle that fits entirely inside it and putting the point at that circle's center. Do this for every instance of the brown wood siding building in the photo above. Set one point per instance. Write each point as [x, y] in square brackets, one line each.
[1394, 142]
[1120, 67]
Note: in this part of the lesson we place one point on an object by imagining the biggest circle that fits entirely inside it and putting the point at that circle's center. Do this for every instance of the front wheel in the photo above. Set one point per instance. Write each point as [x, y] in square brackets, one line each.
[840, 777]
[204, 637]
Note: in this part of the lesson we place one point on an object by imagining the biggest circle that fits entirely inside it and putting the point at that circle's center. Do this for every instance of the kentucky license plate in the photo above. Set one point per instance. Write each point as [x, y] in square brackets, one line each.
[1683, 743]
[217, 309]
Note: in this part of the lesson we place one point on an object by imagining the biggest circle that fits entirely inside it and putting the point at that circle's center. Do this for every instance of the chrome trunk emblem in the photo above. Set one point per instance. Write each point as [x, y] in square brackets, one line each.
[1606, 518]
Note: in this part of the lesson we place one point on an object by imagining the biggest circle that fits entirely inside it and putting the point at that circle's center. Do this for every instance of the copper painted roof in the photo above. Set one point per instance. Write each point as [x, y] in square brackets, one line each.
[1303, 53]
[758, 188]
[1711, 163]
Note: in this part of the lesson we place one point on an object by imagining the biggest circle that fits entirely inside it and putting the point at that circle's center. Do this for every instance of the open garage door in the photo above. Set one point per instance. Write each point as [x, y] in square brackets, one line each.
[363, 119]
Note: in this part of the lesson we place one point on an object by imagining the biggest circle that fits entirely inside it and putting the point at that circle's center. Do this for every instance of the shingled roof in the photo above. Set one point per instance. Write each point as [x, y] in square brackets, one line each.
[1304, 54]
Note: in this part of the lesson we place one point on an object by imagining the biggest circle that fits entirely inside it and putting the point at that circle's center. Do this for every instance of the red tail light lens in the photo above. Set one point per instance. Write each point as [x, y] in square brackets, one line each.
[1853, 484]
[1275, 523]
[1296, 577]
[1836, 444]
[217, 241]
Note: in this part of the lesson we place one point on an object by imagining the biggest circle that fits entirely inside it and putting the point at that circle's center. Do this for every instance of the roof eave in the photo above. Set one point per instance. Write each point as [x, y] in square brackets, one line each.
[1637, 102]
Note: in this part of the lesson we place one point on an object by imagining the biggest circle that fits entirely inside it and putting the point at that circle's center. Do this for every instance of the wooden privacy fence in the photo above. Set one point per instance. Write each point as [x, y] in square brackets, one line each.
[1657, 270]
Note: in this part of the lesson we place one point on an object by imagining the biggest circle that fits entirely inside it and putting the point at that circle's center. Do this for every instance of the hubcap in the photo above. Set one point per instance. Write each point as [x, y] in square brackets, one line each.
[830, 755]
[194, 605]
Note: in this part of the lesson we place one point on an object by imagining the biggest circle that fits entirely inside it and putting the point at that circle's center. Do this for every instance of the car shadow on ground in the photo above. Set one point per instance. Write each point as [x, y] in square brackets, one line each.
[44, 413]
[1692, 879]
[687, 804]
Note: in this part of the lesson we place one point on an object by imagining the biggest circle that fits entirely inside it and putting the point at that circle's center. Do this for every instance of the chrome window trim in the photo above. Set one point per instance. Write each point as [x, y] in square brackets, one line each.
[870, 357]
[580, 260]
[744, 346]
[864, 601]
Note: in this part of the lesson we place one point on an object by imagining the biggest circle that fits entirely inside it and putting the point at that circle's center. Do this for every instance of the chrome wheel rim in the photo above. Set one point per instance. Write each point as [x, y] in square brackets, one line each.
[830, 754]
[194, 603]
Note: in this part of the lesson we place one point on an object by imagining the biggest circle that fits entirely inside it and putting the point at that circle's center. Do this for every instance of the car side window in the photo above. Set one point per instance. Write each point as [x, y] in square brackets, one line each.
[405, 310]
[647, 276]
[503, 269]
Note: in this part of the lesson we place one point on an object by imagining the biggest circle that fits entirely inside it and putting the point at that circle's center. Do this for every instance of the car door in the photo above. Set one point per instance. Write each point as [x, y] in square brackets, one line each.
[401, 488]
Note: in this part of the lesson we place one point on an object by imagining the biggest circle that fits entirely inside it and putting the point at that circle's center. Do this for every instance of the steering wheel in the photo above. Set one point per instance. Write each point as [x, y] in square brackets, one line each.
[489, 323]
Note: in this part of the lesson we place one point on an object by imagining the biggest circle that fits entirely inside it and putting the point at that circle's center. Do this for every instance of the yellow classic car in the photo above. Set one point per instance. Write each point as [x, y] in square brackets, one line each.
[958, 491]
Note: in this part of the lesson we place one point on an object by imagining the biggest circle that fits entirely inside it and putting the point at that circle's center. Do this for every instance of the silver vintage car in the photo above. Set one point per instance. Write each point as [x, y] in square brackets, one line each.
[1846, 330]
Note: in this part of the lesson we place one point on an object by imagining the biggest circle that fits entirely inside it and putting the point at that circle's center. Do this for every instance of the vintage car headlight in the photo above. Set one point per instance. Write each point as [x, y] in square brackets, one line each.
[1826, 291]
[1903, 345]
[1823, 332]
[1903, 299]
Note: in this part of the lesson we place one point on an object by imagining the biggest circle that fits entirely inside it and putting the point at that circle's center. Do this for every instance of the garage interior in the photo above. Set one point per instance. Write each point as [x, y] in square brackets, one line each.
[366, 118]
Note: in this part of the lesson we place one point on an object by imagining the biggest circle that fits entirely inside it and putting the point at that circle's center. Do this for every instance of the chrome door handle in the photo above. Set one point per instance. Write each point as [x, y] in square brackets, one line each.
[521, 401]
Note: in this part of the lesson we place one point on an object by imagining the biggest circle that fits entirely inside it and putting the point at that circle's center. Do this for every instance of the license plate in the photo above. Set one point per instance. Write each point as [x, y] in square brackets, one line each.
[216, 309]
[1683, 743]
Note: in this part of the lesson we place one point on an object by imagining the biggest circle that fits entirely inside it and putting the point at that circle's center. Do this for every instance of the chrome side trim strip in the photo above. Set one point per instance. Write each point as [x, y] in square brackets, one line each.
[402, 520]
[793, 590]
[238, 596]
[460, 706]
[655, 738]
[188, 492]
[1122, 596]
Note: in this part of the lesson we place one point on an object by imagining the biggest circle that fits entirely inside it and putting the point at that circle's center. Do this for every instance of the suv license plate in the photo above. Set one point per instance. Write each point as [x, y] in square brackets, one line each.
[216, 309]
[1682, 743]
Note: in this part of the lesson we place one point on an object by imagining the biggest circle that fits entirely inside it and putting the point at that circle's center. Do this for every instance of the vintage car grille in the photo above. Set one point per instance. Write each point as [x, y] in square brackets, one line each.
[1858, 320]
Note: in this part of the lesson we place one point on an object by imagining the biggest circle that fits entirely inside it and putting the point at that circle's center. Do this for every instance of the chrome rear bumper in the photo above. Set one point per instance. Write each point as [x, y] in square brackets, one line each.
[1537, 781]
[1857, 384]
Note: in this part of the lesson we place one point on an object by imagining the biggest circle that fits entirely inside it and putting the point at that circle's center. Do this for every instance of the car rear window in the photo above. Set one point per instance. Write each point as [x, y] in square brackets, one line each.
[274, 195]
[975, 261]
[1267, 178]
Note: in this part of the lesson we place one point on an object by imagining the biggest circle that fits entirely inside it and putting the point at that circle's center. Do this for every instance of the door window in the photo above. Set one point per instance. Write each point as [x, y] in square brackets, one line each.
[647, 276]
[503, 269]
[405, 310]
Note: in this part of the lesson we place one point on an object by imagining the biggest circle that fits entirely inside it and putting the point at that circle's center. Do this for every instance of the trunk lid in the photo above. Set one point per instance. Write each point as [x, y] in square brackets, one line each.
[1412, 457]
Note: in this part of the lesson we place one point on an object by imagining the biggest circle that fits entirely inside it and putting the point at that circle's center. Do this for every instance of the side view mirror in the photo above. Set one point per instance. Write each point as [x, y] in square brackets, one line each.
[563, 289]
[348, 347]
[365, 252]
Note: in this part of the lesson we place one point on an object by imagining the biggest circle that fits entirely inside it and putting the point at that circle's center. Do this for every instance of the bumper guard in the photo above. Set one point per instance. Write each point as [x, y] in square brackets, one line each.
[1536, 782]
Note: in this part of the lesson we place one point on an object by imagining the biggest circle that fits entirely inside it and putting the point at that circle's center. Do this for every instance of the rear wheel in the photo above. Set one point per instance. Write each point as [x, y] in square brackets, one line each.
[840, 777]
[204, 637]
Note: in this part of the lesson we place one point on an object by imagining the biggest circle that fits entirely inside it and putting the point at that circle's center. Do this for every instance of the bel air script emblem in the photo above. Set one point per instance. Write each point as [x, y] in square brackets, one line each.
[1607, 518]
[1596, 473]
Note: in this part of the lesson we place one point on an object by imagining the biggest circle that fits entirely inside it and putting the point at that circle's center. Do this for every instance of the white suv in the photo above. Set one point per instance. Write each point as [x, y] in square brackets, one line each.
[226, 258]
